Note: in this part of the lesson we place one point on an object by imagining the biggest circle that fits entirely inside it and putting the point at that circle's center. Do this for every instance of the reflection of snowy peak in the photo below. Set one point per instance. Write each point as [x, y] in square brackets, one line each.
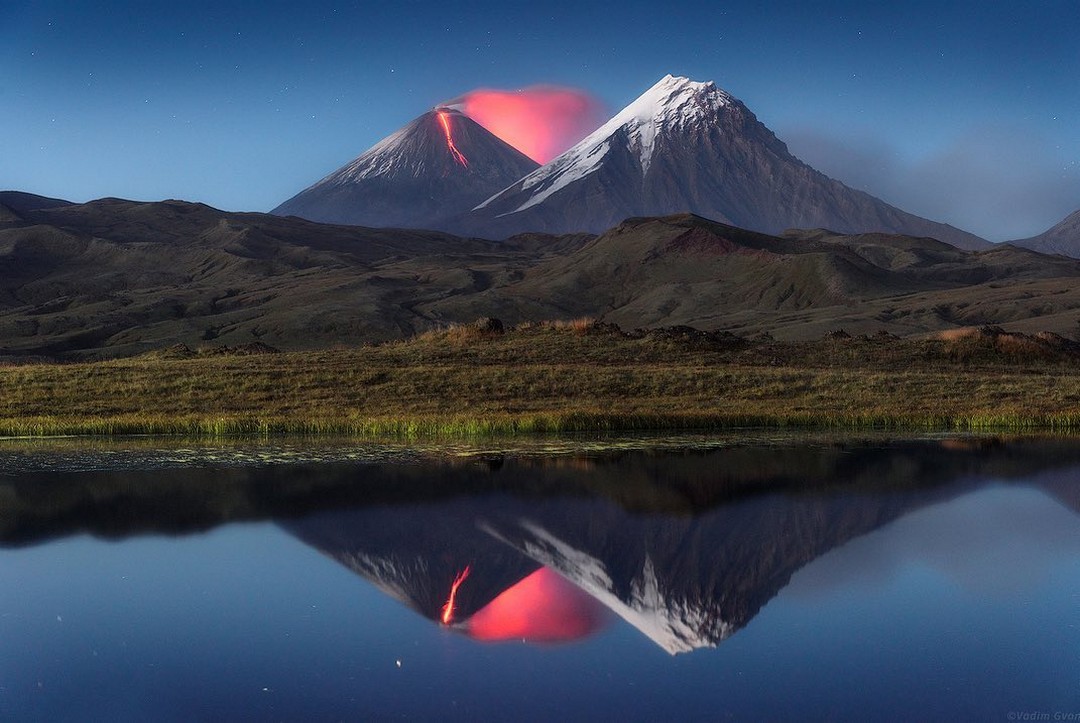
[439, 165]
[685, 146]
[686, 548]
[684, 581]
[675, 625]
[689, 582]
[397, 578]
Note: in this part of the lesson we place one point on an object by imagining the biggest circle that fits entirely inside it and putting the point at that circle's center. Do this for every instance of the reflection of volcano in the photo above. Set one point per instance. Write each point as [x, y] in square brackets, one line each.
[686, 545]
[690, 581]
[545, 569]
[416, 553]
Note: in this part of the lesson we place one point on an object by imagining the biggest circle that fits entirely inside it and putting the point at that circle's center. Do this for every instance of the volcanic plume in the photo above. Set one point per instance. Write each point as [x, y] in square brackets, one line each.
[438, 166]
[541, 121]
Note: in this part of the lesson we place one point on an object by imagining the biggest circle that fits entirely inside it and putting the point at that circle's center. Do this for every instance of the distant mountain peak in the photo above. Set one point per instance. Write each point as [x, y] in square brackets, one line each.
[1061, 238]
[427, 143]
[437, 166]
[671, 104]
[673, 100]
[686, 145]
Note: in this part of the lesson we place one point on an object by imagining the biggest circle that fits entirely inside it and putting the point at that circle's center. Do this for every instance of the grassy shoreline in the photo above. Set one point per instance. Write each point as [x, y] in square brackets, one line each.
[558, 378]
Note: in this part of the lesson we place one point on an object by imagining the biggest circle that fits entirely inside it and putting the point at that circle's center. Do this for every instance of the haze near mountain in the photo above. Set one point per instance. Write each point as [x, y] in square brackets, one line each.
[439, 165]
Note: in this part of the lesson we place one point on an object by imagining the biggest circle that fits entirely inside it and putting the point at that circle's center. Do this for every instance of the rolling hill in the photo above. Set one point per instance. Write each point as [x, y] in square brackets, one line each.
[115, 277]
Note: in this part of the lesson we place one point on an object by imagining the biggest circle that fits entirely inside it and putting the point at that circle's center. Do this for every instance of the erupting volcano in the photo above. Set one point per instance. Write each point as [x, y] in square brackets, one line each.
[682, 146]
[437, 167]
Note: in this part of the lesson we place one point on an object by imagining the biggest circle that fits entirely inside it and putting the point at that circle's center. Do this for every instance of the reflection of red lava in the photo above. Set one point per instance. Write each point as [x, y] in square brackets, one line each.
[541, 122]
[448, 608]
[543, 607]
[458, 155]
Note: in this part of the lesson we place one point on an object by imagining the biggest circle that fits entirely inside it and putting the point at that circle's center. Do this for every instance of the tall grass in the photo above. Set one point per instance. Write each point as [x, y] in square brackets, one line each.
[545, 378]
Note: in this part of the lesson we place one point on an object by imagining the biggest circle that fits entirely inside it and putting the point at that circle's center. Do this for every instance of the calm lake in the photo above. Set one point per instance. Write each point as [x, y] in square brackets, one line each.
[685, 579]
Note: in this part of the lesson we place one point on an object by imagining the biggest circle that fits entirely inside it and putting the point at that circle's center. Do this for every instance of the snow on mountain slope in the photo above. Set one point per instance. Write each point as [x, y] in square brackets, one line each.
[437, 166]
[689, 146]
[673, 624]
[672, 104]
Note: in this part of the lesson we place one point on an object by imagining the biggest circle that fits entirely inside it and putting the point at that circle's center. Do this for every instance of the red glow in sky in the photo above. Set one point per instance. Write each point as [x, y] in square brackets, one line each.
[543, 607]
[540, 121]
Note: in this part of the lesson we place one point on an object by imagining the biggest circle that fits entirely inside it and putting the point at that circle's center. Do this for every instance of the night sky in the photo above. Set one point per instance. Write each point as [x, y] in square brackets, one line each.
[963, 112]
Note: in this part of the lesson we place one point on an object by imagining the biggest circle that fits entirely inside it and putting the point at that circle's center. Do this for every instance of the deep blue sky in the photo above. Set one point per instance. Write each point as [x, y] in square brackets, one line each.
[966, 112]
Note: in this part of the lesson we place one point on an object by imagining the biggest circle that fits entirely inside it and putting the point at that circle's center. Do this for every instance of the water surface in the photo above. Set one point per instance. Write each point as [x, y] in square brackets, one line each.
[696, 579]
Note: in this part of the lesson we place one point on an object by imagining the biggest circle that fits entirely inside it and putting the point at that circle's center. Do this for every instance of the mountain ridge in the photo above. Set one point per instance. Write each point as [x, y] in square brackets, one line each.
[115, 277]
[1061, 238]
[20, 201]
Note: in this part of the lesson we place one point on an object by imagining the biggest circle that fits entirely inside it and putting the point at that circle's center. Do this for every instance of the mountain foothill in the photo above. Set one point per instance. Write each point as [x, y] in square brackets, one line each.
[683, 209]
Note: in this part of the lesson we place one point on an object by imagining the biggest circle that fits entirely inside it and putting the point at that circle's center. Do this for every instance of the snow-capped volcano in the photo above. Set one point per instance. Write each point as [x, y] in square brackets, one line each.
[672, 105]
[439, 165]
[690, 146]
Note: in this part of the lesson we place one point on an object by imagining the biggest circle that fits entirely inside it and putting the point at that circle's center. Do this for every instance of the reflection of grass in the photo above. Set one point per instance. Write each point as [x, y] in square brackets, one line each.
[554, 379]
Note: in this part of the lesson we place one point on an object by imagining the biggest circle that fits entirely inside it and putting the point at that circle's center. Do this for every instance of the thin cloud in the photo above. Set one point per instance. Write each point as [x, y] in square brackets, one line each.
[999, 183]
